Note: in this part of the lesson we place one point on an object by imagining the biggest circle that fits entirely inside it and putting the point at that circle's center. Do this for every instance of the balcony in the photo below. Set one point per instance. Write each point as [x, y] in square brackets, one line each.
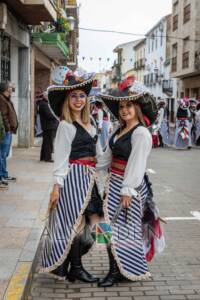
[52, 44]
[167, 87]
[33, 12]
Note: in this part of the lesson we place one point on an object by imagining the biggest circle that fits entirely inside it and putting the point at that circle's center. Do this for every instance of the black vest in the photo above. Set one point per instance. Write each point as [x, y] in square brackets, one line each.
[83, 144]
[121, 148]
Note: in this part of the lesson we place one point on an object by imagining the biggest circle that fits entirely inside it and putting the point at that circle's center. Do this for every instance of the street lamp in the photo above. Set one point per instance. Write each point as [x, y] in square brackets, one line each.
[71, 21]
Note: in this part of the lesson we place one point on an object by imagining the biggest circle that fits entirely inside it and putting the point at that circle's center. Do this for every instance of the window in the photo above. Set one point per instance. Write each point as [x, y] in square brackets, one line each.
[156, 40]
[5, 57]
[149, 45]
[186, 13]
[152, 44]
[174, 57]
[161, 39]
[185, 56]
[185, 60]
[175, 8]
[175, 22]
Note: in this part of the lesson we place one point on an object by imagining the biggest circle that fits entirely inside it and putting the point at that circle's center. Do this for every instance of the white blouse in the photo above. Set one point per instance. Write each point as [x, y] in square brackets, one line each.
[141, 141]
[64, 137]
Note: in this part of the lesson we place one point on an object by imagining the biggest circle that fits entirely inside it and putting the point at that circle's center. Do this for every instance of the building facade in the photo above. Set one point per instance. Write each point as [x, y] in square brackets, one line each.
[140, 59]
[186, 50]
[32, 44]
[158, 65]
[124, 64]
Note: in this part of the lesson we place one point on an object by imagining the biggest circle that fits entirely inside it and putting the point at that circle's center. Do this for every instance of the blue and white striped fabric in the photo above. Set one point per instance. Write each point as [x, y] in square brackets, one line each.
[127, 241]
[74, 198]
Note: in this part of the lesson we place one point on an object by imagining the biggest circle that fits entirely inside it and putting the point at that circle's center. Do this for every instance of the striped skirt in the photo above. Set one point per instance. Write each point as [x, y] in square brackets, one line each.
[68, 215]
[127, 241]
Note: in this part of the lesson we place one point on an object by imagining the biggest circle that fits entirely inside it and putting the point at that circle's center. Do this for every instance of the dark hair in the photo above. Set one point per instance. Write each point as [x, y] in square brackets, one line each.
[4, 85]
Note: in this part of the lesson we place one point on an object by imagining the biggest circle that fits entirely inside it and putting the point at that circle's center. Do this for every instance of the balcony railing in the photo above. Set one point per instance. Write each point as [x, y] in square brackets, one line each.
[52, 44]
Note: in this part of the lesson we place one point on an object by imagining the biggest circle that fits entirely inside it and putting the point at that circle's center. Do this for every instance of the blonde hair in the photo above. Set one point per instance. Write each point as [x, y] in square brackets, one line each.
[138, 113]
[67, 114]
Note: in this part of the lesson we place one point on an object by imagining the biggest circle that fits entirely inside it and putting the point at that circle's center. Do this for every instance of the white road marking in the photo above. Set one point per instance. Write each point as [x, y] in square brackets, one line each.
[151, 171]
[180, 218]
[196, 216]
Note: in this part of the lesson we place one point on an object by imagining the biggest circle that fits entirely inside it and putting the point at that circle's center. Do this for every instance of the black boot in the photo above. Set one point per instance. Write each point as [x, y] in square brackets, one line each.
[62, 270]
[113, 275]
[77, 271]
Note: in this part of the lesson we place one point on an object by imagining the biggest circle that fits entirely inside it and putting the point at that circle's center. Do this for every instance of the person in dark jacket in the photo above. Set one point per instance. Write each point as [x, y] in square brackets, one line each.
[10, 122]
[49, 125]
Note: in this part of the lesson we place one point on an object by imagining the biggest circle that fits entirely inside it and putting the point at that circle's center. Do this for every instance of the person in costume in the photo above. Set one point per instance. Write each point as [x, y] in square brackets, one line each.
[75, 198]
[197, 125]
[182, 137]
[126, 159]
[162, 124]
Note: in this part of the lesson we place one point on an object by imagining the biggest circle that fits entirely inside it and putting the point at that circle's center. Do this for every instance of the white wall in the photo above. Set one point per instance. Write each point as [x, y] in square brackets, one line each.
[127, 53]
[156, 55]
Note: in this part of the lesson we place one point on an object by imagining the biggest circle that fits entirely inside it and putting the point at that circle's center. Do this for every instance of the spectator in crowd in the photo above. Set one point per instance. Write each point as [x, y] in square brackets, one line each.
[49, 125]
[197, 125]
[10, 123]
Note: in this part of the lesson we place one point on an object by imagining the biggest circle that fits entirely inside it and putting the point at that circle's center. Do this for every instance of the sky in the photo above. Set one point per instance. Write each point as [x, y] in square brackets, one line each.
[135, 16]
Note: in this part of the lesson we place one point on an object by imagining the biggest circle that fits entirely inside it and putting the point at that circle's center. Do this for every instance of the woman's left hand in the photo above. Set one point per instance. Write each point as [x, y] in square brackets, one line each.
[126, 201]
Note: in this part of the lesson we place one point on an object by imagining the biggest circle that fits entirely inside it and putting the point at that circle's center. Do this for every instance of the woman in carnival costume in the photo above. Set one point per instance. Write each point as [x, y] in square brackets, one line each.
[182, 137]
[128, 188]
[75, 196]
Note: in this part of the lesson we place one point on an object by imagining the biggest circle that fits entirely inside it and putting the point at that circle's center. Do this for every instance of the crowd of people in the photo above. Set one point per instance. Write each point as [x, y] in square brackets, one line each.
[187, 127]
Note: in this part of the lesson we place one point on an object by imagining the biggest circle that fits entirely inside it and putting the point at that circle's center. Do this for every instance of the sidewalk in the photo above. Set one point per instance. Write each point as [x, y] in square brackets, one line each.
[21, 211]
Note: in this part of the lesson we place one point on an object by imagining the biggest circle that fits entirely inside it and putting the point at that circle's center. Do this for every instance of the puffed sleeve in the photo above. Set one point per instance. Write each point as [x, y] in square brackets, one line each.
[134, 173]
[63, 141]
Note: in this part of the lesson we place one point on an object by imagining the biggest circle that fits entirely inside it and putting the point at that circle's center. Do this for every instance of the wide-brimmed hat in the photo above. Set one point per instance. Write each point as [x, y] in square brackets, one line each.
[144, 98]
[66, 81]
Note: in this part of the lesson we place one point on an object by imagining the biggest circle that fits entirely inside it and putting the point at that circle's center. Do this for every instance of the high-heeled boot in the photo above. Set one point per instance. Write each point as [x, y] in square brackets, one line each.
[113, 275]
[76, 270]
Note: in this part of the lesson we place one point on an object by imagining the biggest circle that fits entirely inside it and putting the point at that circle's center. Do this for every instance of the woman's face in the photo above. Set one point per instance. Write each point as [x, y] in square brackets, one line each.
[127, 111]
[77, 100]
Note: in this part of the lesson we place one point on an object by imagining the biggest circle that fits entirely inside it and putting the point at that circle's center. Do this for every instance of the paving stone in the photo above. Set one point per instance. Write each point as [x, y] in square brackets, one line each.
[147, 298]
[173, 297]
[104, 294]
